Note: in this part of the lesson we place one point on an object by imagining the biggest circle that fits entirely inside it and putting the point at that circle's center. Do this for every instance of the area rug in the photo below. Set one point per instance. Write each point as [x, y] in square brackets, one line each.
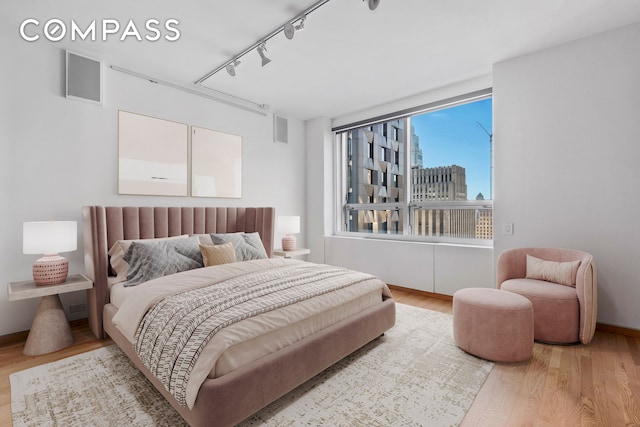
[414, 375]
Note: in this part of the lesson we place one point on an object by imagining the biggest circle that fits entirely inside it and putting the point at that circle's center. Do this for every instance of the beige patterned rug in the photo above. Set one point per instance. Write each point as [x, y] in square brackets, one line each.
[414, 375]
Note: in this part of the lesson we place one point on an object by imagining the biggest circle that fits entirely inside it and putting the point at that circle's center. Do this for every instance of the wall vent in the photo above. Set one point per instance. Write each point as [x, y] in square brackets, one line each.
[280, 129]
[84, 78]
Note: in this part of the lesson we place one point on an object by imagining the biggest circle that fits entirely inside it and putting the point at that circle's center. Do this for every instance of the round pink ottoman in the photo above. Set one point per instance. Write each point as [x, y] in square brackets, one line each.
[493, 324]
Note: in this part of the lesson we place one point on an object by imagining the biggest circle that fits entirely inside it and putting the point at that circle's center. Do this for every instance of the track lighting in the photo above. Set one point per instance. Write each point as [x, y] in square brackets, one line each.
[373, 4]
[261, 50]
[231, 67]
[290, 29]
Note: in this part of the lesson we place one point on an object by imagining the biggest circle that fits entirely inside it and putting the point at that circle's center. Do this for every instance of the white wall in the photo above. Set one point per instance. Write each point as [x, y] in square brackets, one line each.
[567, 149]
[320, 186]
[59, 154]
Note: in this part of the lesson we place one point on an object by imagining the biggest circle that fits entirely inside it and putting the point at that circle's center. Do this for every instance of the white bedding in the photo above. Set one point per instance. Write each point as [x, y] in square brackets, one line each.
[251, 338]
[118, 293]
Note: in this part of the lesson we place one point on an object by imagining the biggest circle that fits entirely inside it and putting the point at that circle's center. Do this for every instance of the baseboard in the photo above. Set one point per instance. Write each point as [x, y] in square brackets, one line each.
[619, 330]
[20, 337]
[15, 338]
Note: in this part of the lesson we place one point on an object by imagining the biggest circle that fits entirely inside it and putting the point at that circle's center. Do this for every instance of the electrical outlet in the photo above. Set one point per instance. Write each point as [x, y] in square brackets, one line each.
[507, 228]
[76, 308]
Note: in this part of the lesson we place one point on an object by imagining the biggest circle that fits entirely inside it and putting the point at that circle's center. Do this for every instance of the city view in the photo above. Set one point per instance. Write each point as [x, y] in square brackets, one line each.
[448, 190]
[459, 136]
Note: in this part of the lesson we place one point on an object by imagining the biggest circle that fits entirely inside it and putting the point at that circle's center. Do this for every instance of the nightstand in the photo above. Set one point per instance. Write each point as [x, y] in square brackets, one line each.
[289, 254]
[50, 330]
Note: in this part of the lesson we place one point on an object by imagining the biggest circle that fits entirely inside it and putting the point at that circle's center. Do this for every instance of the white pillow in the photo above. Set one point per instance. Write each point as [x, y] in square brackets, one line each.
[563, 273]
[120, 247]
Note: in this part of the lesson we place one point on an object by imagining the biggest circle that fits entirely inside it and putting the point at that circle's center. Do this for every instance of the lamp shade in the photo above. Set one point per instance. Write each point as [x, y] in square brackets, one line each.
[289, 224]
[49, 237]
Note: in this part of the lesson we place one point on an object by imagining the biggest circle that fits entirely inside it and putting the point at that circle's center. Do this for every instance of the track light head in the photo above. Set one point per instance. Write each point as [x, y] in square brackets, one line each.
[373, 4]
[290, 29]
[261, 50]
[231, 67]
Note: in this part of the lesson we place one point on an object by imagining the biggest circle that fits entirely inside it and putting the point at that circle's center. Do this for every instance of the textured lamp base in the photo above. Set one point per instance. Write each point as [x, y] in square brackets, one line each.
[289, 243]
[50, 270]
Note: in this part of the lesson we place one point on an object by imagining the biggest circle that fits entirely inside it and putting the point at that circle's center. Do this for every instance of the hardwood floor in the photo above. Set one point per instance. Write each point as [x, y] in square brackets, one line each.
[593, 385]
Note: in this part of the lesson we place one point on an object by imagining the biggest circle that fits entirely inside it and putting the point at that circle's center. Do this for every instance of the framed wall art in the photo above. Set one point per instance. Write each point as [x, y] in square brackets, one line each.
[152, 156]
[216, 164]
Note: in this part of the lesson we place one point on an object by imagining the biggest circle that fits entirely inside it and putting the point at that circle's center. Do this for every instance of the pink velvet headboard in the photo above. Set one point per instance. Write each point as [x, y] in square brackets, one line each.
[103, 226]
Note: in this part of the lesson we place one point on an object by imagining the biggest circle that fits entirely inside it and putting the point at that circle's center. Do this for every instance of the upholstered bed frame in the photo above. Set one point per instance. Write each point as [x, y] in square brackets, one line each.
[229, 399]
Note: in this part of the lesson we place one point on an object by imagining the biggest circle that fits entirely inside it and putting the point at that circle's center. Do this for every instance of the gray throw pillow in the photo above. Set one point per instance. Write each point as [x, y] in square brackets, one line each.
[246, 246]
[254, 240]
[150, 260]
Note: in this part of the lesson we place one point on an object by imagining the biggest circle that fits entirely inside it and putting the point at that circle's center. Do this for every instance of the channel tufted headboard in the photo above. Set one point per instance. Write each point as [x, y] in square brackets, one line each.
[104, 225]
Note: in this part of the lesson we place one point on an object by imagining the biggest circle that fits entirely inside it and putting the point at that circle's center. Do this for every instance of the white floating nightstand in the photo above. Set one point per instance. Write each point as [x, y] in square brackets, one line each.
[289, 254]
[50, 330]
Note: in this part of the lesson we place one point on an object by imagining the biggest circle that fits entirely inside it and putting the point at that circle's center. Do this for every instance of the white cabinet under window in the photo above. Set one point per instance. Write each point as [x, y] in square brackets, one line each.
[436, 268]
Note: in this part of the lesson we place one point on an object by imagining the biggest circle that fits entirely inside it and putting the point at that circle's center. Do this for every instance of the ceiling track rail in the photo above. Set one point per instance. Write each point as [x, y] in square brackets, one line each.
[260, 41]
[253, 107]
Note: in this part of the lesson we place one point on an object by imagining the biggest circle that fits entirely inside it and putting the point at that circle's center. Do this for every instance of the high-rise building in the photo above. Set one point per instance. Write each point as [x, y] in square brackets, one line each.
[416, 151]
[376, 159]
[442, 183]
[439, 183]
[484, 224]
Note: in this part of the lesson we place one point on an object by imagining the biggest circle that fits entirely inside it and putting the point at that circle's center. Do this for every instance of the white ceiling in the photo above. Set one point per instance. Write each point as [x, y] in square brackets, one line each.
[348, 58]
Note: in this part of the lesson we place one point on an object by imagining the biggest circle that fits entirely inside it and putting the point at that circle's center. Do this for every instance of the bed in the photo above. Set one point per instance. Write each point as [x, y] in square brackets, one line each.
[235, 390]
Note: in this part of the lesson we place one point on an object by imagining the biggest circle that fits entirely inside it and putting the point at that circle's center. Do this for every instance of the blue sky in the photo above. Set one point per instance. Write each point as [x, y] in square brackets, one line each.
[453, 137]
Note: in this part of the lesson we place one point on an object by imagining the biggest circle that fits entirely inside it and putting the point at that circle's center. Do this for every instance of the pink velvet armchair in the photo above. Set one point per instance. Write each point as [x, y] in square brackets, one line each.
[563, 313]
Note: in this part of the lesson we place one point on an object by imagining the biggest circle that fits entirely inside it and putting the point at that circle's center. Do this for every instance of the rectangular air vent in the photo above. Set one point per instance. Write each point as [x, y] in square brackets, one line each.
[280, 129]
[84, 78]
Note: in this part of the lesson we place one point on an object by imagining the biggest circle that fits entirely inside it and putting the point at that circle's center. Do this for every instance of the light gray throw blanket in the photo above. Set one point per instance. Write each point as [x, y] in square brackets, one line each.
[175, 331]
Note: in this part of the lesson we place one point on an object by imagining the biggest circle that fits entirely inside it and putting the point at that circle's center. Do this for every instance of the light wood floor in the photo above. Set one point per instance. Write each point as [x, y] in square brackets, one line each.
[594, 385]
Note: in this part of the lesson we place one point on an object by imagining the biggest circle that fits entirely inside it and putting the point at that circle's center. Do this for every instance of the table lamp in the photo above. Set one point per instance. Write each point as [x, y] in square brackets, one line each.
[289, 225]
[49, 238]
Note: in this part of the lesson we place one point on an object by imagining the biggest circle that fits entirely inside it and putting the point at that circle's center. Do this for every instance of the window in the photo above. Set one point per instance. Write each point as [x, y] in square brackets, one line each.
[424, 175]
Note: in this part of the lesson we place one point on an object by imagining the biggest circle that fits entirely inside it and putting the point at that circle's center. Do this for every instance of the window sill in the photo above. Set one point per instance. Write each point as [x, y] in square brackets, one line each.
[447, 241]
